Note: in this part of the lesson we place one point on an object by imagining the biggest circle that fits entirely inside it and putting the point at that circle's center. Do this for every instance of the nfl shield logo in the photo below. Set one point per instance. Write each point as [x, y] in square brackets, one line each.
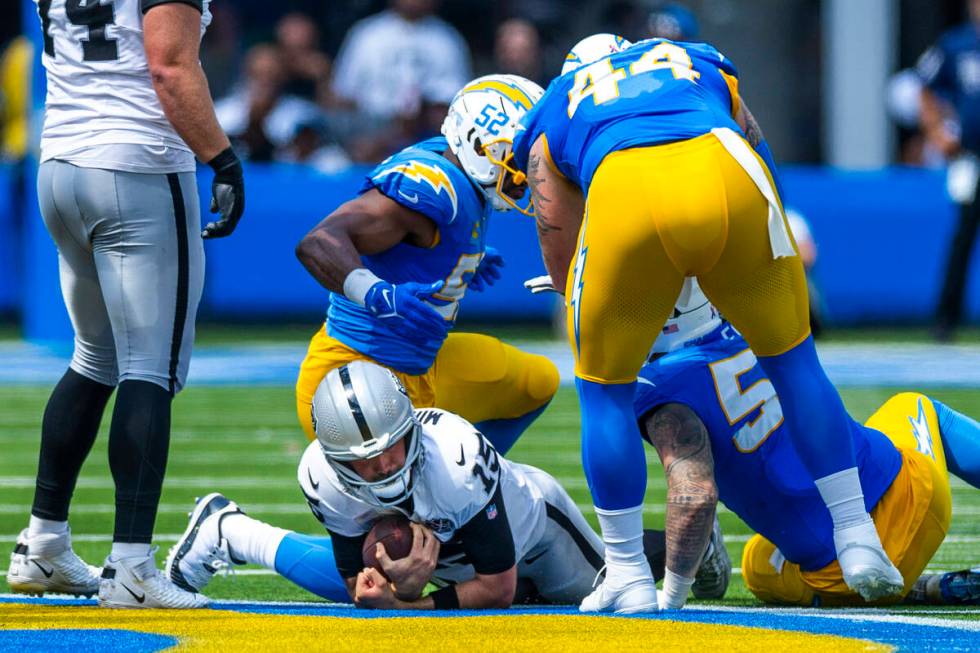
[492, 511]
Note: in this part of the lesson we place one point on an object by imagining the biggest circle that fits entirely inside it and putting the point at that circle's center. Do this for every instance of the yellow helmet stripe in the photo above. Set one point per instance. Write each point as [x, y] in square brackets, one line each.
[513, 93]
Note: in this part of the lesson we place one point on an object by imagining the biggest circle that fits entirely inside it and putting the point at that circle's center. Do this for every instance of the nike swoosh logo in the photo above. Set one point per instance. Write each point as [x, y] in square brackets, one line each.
[413, 198]
[530, 559]
[47, 572]
[386, 295]
[139, 597]
[312, 482]
[462, 457]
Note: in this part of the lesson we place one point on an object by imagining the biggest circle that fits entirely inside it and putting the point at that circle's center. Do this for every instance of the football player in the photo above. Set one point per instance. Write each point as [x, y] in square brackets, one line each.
[645, 168]
[706, 404]
[127, 111]
[399, 257]
[481, 522]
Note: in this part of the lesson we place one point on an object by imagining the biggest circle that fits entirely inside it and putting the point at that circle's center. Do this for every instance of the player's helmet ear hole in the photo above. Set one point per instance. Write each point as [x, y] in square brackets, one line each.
[478, 147]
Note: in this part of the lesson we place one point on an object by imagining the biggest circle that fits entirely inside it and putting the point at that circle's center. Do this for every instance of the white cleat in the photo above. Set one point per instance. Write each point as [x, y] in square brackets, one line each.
[714, 574]
[864, 563]
[136, 583]
[46, 563]
[202, 550]
[633, 597]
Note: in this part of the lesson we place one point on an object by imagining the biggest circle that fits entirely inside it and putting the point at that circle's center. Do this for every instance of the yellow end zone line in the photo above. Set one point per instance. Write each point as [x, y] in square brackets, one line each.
[210, 630]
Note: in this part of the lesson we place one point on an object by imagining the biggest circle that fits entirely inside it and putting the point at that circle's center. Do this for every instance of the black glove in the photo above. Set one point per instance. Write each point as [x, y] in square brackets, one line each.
[227, 194]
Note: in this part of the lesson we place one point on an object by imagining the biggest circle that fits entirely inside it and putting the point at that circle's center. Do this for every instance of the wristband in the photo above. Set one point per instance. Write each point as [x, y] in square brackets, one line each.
[445, 598]
[358, 283]
[224, 160]
[675, 590]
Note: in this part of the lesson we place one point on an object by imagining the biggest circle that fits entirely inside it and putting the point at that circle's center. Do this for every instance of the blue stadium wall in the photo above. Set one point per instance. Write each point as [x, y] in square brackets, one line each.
[882, 239]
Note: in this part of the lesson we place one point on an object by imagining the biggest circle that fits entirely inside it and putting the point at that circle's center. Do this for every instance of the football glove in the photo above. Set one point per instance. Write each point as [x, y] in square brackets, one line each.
[541, 284]
[488, 271]
[227, 194]
[403, 309]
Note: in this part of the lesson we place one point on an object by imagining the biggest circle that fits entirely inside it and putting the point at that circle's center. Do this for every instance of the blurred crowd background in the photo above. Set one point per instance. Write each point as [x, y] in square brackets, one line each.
[331, 85]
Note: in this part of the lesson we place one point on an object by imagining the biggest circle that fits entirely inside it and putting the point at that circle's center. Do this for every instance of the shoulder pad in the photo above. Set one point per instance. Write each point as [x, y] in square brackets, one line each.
[418, 181]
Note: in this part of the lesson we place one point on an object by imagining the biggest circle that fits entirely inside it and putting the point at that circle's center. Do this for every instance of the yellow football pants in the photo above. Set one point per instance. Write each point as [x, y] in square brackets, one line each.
[655, 215]
[475, 376]
[911, 518]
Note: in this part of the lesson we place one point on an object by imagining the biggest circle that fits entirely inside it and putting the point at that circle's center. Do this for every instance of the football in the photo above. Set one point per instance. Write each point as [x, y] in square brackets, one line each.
[395, 532]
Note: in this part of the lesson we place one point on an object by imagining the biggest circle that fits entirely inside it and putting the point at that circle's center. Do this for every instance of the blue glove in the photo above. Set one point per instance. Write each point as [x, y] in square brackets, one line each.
[402, 309]
[488, 272]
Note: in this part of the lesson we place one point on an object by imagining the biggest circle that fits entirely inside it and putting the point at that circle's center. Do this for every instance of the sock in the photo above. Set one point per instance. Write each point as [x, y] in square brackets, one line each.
[252, 541]
[961, 443]
[308, 561]
[38, 526]
[612, 450]
[503, 433]
[68, 429]
[622, 533]
[129, 550]
[844, 498]
[812, 409]
[138, 442]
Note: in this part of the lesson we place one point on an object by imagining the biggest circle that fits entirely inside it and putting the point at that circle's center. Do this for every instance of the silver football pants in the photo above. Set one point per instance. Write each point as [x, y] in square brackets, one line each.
[132, 269]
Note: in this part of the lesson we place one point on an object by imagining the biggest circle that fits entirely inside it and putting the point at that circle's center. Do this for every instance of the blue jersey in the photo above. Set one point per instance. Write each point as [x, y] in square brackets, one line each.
[421, 179]
[655, 91]
[952, 70]
[759, 474]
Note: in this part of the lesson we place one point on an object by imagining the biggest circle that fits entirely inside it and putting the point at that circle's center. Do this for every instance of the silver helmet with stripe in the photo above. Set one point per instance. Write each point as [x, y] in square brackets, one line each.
[359, 411]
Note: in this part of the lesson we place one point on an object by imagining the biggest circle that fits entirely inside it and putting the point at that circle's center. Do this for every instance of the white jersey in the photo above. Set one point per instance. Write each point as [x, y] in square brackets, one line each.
[457, 480]
[101, 109]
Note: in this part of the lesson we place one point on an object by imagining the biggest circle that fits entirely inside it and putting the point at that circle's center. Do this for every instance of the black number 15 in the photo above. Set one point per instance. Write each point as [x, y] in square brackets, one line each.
[86, 13]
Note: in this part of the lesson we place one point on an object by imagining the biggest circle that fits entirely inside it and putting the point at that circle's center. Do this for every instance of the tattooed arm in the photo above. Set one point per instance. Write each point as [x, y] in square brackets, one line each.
[685, 450]
[745, 119]
[558, 207]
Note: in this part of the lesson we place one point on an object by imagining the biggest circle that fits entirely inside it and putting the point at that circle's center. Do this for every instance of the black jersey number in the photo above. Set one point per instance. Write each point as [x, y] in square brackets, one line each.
[87, 13]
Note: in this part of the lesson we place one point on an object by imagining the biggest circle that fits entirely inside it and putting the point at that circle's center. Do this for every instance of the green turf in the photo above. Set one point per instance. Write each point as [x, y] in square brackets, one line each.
[244, 441]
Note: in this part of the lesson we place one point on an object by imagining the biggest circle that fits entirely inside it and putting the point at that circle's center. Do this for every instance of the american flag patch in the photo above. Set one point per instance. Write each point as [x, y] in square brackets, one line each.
[492, 511]
[671, 328]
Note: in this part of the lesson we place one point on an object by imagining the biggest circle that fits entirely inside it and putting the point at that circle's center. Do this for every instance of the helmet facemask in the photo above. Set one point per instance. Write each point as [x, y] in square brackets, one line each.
[391, 490]
[480, 127]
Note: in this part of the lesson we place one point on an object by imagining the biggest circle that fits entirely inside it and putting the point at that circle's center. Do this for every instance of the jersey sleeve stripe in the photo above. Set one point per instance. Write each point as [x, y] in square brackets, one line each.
[547, 157]
[732, 83]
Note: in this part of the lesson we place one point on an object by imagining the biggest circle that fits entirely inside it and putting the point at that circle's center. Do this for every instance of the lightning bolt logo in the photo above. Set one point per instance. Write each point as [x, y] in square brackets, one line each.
[578, 283]
[920, 429]
[421, 172]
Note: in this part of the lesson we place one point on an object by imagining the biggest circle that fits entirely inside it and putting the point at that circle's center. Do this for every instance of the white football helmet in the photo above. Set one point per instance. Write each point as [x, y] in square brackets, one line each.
[592, 48]
[694, 316]
[359, 411]
[480, 128]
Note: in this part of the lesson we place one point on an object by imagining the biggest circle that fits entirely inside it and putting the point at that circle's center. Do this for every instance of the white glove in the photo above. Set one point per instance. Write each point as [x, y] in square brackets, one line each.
[541, 284]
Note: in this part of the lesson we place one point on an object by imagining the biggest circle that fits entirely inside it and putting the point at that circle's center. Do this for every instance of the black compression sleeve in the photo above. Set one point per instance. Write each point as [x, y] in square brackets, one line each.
[347, 554]
[487, 539]
[146, 5]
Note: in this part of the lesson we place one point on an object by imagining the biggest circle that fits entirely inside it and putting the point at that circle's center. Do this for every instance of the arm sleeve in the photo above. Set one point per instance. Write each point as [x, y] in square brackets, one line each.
[487, 538]
[146, 5]
[347, 553]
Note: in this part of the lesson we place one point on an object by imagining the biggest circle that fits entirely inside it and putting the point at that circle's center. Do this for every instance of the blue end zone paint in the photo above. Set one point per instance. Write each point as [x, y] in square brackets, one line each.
[81, 641]
[906, 632]
[855, 365]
